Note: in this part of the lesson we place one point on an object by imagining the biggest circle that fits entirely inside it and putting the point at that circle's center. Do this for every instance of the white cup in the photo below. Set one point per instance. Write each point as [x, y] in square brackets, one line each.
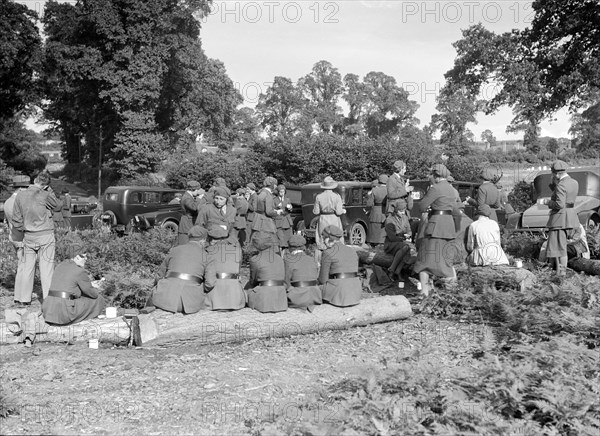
[519, 264]
[93, 343]
[401, 285]
[111, 312]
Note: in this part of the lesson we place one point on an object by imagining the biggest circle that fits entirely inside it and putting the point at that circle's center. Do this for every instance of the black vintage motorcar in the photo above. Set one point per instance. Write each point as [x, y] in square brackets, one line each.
[157, 206]
[355, 221]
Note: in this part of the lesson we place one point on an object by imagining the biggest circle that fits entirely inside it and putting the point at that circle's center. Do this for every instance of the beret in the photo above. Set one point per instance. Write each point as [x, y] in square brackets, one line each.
[333, 232]
[221, 191]
[440, 170]
[251, 186]
[240, 191]
[193, 184]
[399, 164]
[217, 232]
[297, 241]
[484, 210]
[399, 204]
[262, 240]
[559, 165]
[220, 181]
[488, 173]
[280, 186]
[270, 181]
[383, 178]
[198, 232]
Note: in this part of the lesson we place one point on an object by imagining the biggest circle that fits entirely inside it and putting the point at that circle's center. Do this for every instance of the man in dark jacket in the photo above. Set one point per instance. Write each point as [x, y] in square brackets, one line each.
[339, 270]
[33, 215]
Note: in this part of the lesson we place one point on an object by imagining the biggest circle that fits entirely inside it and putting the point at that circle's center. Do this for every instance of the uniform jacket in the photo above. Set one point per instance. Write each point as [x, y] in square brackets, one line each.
[264, 212]
[86, 302]
[267, 265]
[211, 215]
[340, 292]
[33, 210]
[66, 207]
[379, 195]
[440, 196]
[174, 293]
[227, 293]
[189, 209]
[396, 189]
[252, 205]
[57, 215]
[241, 209]
[395, 229]
[299, 267]
[564, 195]
[283, 221]
[328, 207]
[488, 193]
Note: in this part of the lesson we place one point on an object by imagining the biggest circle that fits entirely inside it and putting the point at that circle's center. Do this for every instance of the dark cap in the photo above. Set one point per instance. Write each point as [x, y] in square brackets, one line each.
[296, 241]
[193, 184]
[559, 165]
[197, 232]
[240, 191]
[332, 232]
[220, 181]
[484, 210]
[64, 191]
[217, 232]
[263, 240]
[488, 174]
[440, 170]
[251, 186]
[221, 191]
[281, 186]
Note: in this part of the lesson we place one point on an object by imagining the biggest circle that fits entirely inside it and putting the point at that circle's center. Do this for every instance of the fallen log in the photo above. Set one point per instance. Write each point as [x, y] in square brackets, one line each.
[373, 256]
[164, 329]
[501, 276]
[588, 266]
[108, 330]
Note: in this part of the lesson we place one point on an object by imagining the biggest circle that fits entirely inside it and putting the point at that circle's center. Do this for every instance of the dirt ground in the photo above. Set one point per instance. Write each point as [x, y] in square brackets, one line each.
[258, 387]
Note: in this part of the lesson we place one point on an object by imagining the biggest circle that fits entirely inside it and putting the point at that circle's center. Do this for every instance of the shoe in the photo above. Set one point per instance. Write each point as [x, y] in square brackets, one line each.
[28, 343]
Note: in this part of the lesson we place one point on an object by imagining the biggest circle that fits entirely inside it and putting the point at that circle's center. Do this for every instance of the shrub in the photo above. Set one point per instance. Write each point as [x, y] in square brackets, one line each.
[521, 197]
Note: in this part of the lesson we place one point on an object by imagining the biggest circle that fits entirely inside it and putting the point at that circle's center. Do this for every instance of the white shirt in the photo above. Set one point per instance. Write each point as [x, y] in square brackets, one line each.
[483, 243]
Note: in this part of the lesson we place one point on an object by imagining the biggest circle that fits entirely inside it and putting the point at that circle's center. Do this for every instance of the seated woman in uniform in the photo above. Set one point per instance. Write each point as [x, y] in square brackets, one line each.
[339, 270]
[72, 297]
[301, 275]
[226, 256]
[397, 232]
[184, 276]
[266, 288]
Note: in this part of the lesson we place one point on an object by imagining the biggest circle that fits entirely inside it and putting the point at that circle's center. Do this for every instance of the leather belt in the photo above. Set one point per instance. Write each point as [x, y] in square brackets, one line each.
[272, 283]
[242, 214]
[228, 276]
[378, 204]
[348, 275]
[327, 213]
[570, 205]
[183, 276]
[440, 212]
[61, 294]
[305, 283]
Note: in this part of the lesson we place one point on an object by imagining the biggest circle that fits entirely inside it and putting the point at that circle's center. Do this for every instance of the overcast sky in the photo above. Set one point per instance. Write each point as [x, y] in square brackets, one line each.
[409, 40]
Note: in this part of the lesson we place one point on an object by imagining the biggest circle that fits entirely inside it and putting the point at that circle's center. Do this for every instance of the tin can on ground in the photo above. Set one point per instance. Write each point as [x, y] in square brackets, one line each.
[111, 312]
[519, 264]
[93, 343]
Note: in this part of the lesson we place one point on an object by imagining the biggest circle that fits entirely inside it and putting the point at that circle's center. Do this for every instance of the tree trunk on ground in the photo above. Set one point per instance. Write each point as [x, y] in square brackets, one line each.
[113, 330]
[373, 257]
[588, 266]
[165, 329]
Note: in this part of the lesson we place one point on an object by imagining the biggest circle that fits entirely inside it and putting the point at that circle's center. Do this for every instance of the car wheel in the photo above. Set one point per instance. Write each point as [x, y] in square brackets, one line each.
[171, 226]
[357, 234]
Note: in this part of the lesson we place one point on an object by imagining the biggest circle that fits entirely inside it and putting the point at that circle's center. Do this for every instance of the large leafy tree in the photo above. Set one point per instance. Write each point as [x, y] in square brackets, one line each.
[20, 46]
[280, 108]
[586, 129]
[131, 78]
[456, 108]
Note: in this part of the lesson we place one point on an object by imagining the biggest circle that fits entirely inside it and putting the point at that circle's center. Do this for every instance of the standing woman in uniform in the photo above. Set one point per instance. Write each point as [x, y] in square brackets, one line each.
[329, 207]
[488, 193]
[562, 215]
[189, 210]
[376, 215]
[433, 257]
[283, 219]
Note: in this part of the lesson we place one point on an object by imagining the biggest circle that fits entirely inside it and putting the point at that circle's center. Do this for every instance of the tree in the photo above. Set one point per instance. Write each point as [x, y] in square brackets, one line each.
[19, 150]
[552, 145]
[20, 45]
[586, 129]
[281, 107]
[488, 136]
[456, 108]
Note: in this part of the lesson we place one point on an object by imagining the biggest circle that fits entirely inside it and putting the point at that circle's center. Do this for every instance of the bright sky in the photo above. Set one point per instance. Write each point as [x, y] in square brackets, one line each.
[409, 40]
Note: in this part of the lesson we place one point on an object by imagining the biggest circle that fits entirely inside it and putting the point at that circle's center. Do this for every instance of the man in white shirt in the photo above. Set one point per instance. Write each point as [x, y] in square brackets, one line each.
[483, 240]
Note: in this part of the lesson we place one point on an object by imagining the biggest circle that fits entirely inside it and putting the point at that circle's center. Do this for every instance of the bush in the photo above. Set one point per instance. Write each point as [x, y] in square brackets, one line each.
[521, 197]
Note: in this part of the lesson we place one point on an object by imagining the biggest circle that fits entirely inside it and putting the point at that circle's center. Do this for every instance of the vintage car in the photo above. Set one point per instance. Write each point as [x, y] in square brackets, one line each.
[125, 205]
[587, 203]
[354, 195]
